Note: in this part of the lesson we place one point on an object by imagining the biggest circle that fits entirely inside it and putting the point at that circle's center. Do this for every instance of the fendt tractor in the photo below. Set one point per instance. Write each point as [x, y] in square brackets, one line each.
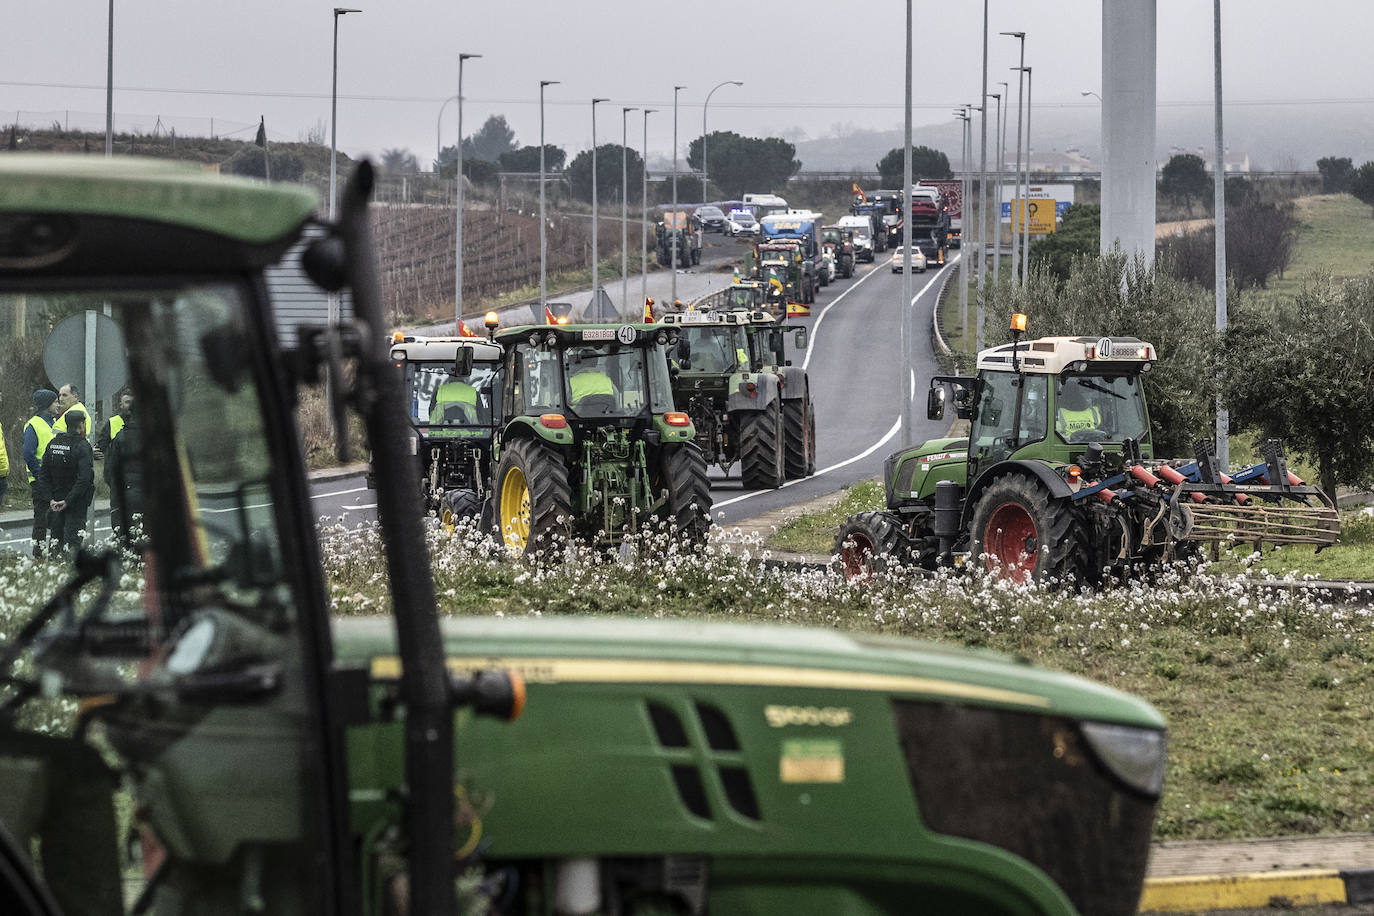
[679, 240]
[591, 446]
[1057, 480]
[839, 243]
[748, 403]
[268, 758]
[782, 267]
[453, 388]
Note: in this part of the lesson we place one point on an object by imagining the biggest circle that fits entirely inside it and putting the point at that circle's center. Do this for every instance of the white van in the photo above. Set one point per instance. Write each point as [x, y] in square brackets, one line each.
[862, 226]
[762, 205]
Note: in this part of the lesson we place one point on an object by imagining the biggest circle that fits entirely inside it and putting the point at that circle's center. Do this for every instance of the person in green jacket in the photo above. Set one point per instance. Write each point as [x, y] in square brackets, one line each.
[4, 467]
[37, 434]
[69, 399]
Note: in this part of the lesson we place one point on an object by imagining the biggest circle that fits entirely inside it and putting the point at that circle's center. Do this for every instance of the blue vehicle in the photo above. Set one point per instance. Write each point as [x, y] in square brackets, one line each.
[803, 227]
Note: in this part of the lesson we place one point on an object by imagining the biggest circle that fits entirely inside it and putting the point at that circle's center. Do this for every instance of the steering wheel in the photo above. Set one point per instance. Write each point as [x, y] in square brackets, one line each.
[1090, 435]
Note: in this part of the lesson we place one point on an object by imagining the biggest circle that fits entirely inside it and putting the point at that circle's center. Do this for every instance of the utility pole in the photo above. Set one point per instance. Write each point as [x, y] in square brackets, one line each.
[625, 214]
[1016, 178]
[983, 179]
[1219, 211]
[908, 331]
[675, 237]
[643, 215]
[458, 244]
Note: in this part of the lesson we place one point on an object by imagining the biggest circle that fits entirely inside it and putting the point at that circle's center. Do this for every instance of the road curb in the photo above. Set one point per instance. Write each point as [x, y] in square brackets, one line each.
[1278, 889]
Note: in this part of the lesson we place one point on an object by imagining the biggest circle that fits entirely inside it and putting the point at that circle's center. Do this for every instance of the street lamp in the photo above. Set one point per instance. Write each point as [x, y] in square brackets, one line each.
[439, 133]
[1016, 179]
[676, 90]
[644, 212]
[596, 253]
[543, 223]
[334, 111]
[982, 259]
[908, 330]
[1087, 92]
[109, 87]
[978, 322]
[1025, 205]
[963, 115]
[999, 130]
[458, 243]
[625, 211]
[703, 133]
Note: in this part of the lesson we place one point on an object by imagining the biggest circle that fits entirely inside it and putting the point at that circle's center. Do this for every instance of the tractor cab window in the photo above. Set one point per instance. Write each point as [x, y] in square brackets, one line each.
[1099, 409]
[538, 381]
[439, 397]
[742, 297]
[766, 344]
[713, 348]
[997, 431]
[606, 382]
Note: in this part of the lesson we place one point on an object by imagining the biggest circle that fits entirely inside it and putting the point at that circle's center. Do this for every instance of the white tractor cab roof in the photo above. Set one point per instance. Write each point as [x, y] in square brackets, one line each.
[764, 200]
[855, 222]
[443, 349]
[1053, 355]
[718, 316]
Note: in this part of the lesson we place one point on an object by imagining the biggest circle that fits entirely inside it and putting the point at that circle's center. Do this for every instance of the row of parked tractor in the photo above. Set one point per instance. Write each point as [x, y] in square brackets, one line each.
[544, 432]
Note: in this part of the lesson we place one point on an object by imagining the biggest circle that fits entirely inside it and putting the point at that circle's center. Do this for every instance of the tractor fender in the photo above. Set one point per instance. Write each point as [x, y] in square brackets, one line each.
[739, 397]
[1035, 470]
[532, 428]
[794, 382]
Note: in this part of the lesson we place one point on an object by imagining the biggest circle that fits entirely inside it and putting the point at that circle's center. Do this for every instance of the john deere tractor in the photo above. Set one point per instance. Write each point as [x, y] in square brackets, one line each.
[1057, 478]
[453, 387]
[272, 757]
[748, 403]
[591, 444]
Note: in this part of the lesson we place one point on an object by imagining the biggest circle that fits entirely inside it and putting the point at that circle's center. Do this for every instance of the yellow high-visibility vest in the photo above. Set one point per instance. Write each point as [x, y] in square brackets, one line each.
[44, 432]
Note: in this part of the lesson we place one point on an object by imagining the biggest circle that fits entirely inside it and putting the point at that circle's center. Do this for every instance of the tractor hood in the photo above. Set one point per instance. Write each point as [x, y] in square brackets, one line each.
[913, 473]
[579, 650]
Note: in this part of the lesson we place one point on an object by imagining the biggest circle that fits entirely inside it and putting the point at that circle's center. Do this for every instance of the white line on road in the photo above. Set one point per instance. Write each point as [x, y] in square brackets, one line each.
[834, 467]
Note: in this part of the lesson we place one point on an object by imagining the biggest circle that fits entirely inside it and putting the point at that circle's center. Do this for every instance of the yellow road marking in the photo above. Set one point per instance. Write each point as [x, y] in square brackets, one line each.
[1191, 893]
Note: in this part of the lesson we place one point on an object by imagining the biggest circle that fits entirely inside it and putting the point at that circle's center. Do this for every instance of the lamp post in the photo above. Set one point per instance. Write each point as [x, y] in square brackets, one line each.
[908, 331]
[963, 115]
[1016, 178]
[1087, 92]
[1223, 445]
[997, 192]
[703, 132]
[439, 132]
[643, 213]
[625, 211]
[978, 307]
[675, 237]
[543, 222]
[458, 242]
[334, 112]
[1025, 217]
[596, 252]
[109, 86]
[983, 179]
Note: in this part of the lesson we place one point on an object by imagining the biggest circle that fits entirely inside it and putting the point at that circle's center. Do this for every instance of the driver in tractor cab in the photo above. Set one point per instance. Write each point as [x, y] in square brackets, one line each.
[1073, 413]
[590, 385]
[455, 401]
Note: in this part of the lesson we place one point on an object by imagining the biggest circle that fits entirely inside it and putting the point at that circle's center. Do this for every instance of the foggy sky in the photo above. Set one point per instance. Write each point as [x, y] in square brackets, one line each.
[808, 69]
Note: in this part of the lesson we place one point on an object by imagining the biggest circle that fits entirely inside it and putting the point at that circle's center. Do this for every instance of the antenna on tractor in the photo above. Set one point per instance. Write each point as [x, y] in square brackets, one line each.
[1018, 327]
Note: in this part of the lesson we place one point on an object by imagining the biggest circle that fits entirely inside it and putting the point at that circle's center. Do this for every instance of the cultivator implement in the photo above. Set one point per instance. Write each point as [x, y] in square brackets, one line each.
[1265, 504]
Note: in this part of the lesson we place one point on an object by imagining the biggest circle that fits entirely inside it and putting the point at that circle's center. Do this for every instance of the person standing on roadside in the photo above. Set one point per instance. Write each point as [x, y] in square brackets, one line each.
[124, 472]
[104, 441]
[70, 464]
[69, 399]
[37, 434]
[4, 467]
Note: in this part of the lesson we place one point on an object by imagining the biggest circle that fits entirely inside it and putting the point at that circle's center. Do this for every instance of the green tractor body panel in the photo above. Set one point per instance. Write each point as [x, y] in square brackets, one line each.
[779, 756]
[531, 426]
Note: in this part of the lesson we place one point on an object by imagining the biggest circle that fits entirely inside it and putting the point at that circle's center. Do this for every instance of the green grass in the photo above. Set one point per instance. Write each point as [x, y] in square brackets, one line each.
[1335, 235]
[814, 532]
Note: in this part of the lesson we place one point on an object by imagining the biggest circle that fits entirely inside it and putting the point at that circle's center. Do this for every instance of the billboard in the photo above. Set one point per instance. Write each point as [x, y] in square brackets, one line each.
[1042, 215]
[1061, 194]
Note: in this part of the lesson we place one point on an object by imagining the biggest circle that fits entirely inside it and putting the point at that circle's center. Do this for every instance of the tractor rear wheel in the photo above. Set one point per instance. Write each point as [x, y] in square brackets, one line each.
[871, 542]
[761, 458]
[682, 472]
[1022, 533]
[532, 496]
[799, 437]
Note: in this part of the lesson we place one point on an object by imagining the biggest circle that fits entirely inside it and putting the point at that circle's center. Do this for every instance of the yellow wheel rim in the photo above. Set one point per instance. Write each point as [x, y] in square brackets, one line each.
[515, 509]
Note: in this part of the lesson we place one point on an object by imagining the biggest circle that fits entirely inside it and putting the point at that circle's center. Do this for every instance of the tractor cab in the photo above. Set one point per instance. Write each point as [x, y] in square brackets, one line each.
[746, 294]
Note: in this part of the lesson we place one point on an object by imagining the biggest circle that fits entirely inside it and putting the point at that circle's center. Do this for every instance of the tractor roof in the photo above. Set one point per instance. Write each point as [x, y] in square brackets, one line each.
[718, 317]
[156, 191]
[580, 334]
[1053, 355]
[444, 349]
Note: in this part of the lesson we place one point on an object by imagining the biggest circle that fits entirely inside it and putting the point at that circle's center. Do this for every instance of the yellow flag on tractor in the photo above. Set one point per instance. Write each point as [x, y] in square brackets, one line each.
[860, 192]
[649, 310]
[548, 316]
[464, 330]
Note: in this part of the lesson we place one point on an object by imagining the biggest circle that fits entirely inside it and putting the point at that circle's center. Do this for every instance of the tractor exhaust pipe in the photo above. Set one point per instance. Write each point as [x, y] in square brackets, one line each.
[947, 512]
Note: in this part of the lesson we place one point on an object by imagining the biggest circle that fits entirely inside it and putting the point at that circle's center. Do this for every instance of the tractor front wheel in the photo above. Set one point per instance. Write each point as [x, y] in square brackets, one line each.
[762, 460]
[682, 472]
[532, 496]
[458, 504]
[1022, 533]
[871, 542]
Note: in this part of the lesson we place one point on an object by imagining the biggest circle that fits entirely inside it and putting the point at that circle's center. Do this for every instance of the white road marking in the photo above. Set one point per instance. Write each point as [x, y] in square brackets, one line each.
[887, 437]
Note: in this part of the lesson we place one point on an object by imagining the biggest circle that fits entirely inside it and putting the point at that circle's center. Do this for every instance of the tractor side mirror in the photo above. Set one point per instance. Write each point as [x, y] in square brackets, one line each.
[799, 339]
[462, 365]
[935, 403]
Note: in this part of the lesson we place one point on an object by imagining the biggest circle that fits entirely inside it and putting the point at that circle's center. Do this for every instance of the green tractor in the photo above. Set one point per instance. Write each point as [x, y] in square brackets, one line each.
[591, 444]
[748, 403]
[1057, 479]
[186, 730]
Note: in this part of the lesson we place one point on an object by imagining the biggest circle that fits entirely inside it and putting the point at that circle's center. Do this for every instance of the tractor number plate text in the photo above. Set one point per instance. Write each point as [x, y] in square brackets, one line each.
[782, 716]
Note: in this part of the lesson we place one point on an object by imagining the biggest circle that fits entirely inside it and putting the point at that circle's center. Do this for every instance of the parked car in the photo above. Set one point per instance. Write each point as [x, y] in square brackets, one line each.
[710, 219]
[741, 222]
[918, 259]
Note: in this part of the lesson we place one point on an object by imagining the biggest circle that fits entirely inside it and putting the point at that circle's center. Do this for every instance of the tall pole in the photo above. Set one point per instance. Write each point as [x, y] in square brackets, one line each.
[543, 221]
[1219, 212]
[596, 251]
[109, 86]
[963, 116]
[334, 143]
[674, 236]
[908, 408]
[644, 214]
[439, 130]
[997, 193]
[703, 133]
[625, 213]
[1025, 216]
[1016, 178]
[983, 180]
[977, 242]
[458, 243]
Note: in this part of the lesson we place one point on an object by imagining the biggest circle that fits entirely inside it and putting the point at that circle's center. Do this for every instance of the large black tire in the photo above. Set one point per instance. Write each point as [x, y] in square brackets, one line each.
[532, 497]
[761, 457]
[1023, 533]
[456, 505]
[799, 437]
[871, 542]
[682, 472]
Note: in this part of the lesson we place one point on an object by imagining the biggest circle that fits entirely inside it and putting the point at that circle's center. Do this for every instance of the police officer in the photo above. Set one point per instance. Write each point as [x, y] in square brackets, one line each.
[105, 438]
[124, 472]
[70, 465]
[37, 434]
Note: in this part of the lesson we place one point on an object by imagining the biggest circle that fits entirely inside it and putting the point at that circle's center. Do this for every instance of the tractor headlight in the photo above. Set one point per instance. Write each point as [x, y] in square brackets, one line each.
[1134, 755]
[1146, 367]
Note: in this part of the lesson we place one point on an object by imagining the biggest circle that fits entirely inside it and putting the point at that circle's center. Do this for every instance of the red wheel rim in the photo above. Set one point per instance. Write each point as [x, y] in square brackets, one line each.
[855, 555]
[1011, 540]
